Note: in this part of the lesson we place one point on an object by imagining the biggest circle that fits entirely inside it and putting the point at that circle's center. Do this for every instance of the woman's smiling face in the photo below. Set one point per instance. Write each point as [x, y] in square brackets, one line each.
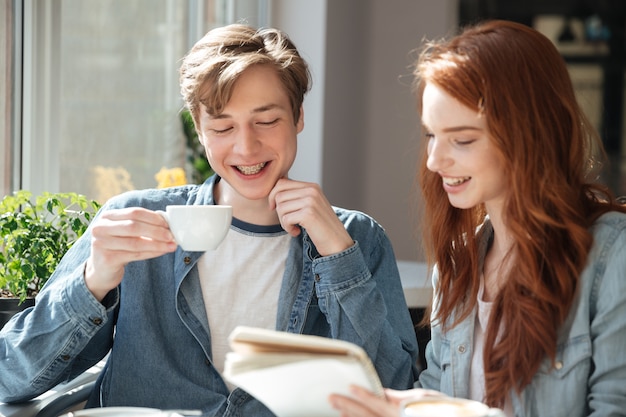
[461, 151]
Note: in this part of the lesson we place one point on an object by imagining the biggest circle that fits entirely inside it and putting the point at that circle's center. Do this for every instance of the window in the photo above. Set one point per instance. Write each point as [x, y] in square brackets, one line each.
[100, 101]
[8, 77]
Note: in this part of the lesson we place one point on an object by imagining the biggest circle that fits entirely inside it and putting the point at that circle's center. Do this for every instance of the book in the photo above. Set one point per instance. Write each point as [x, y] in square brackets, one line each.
[293, 374]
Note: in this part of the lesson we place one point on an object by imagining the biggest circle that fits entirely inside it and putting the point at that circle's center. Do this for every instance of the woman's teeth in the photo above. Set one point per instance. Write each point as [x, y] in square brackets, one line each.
[455, 181]
[251, 169]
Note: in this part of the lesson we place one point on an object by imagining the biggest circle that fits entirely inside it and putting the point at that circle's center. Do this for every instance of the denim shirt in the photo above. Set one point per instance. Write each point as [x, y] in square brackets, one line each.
[589, 374]
[156, 329]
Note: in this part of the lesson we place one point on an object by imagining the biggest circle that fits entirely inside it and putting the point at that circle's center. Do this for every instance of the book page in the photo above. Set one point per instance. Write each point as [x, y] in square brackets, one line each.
[301, 388]
[250, 340]
[294, 374]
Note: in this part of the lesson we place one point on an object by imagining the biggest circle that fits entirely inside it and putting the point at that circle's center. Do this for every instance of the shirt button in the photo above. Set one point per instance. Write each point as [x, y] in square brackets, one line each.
[97, 321]
[317, 278]
[558, 365]
[461, 348]
[187, 260]
[65, 357]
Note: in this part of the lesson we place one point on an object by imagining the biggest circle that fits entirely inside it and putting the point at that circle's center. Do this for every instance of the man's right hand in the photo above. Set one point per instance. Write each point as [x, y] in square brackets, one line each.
[122, 236]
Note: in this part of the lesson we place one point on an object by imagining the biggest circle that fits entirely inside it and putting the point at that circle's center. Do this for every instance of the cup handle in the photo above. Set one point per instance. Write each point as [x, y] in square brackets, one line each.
[164, 215]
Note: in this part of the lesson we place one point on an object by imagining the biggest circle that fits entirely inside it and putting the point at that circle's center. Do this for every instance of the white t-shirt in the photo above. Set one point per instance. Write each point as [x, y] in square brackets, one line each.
[477, 369]
[240, 281]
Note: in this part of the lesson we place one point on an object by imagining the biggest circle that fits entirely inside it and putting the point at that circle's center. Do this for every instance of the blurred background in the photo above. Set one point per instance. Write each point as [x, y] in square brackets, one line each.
[90, 101]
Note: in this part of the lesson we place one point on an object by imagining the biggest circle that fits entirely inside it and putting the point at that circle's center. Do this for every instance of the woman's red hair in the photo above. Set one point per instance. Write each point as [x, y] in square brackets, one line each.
[517, 80]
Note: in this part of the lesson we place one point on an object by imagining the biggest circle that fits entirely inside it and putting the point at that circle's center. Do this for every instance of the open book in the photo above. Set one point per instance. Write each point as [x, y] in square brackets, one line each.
[293, 374]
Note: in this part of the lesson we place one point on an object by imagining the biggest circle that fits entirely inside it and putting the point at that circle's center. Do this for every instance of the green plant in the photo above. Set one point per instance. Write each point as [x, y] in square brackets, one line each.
[201, 169]
[36, 235]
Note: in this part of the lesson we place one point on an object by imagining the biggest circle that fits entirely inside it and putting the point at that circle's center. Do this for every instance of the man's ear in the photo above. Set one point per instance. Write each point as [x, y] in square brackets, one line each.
[300, 122]
[201, 138]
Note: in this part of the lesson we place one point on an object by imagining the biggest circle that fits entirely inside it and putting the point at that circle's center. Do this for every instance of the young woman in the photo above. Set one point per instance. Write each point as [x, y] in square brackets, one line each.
[529, 313]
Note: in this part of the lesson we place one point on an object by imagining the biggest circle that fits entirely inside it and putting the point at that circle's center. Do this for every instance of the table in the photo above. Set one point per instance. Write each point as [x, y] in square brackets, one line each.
[418, 291]
[416, 283]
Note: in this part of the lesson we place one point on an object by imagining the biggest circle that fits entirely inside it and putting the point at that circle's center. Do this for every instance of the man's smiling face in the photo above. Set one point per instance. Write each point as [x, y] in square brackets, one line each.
[253, 142]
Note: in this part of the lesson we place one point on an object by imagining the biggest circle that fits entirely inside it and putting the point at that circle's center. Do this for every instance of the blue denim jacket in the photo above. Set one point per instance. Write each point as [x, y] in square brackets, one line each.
[156, 326]
[589, 374]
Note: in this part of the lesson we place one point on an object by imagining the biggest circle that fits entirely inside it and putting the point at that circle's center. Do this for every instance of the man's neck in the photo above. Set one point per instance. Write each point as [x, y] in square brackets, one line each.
[256, 212]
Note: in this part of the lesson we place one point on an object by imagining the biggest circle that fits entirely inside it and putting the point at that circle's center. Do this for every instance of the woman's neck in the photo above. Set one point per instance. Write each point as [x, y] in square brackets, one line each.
[498, 260]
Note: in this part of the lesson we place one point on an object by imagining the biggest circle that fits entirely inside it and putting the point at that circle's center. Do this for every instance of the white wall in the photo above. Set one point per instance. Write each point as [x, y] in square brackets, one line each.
[361, 129]
[305, 22]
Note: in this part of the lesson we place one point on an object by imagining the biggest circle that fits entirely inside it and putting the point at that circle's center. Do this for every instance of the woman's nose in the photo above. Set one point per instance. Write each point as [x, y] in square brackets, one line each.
[438, 158]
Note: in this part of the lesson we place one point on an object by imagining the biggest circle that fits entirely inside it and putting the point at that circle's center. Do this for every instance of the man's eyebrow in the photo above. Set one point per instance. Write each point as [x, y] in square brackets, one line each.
[266, 108]
[260, 109]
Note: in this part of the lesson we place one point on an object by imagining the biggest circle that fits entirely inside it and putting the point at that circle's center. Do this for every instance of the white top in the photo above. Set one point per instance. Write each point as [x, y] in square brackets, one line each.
[477, 370]
[239, 287]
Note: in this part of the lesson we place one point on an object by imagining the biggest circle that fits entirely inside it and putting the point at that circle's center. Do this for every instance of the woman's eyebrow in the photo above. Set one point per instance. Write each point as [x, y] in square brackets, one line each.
[453, 129]
[462, 128]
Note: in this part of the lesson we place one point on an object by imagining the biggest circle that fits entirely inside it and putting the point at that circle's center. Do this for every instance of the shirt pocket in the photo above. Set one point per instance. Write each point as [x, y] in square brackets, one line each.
[445, 362]
[571, 356]
[566, 380]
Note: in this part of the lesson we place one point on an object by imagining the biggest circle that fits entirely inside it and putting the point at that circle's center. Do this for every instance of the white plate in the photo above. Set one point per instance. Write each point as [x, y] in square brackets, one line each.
[115, 412]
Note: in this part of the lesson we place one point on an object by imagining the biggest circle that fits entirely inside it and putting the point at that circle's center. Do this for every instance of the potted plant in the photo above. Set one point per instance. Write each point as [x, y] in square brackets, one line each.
[200, 167]
[36, 233]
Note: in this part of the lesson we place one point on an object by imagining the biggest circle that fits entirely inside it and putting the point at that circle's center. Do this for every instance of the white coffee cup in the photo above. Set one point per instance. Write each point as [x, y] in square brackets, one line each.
[198, 228]
[447, 407]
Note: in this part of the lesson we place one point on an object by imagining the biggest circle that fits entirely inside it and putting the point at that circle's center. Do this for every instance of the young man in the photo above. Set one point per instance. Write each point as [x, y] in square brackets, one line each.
[291, 261]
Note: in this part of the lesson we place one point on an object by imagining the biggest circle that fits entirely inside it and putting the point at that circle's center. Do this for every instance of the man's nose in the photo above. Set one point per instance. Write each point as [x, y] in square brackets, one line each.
[247, 141]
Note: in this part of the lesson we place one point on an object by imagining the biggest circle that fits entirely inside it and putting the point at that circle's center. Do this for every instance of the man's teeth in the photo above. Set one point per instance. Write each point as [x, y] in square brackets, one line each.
[455, 181]
[251, 169]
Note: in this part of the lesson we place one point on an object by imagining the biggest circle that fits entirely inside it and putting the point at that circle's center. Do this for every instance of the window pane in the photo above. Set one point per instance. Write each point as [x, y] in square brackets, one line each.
[103, 103]
[6, 94]
[119, 98]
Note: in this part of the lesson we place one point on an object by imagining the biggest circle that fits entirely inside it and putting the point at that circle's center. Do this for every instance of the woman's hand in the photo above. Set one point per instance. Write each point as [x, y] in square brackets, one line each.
[304, 204]
[366, 404]
[122, 236]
